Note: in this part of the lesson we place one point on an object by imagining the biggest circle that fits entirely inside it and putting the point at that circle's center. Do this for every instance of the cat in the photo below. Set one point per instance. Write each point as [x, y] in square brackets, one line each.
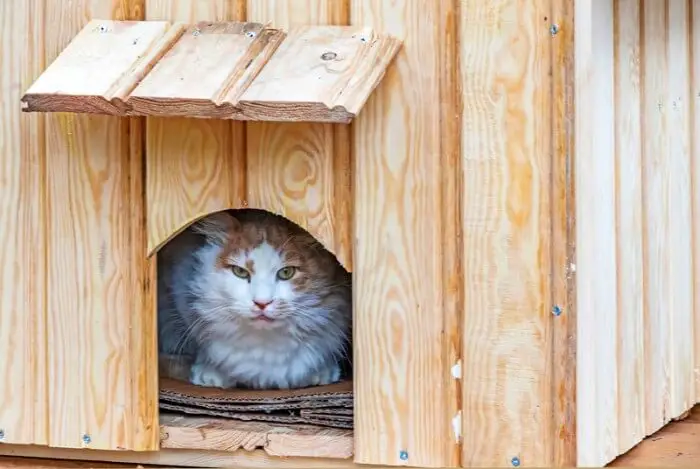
[256, 302]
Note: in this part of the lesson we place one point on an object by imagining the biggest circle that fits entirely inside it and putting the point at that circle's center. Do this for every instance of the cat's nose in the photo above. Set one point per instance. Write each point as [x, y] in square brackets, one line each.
[262, 304]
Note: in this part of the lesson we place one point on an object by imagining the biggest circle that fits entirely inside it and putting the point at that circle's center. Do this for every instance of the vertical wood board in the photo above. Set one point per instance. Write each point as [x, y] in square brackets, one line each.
[302, 170]
[563, 241]
[24, 415]
[507, 155]
[404, 408]
[102, 385]
[630, 233]
[194, 166]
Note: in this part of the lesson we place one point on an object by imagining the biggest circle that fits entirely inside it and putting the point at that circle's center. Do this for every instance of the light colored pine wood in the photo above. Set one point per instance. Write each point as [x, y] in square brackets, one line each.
[100, 66]
[23, 374]
[194, 166]
[101, 342]
[694, 18]
[597, 332]
[563, 206]
[319, 74]
[679, 298]
[186, 458]
[206, 70]
[206, 433]
[303, 170]
[404, 411]
[228, 70]
[630, 239]
[506, 61]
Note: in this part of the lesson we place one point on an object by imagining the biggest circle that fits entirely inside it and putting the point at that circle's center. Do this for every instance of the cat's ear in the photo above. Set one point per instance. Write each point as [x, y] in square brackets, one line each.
[218, 227]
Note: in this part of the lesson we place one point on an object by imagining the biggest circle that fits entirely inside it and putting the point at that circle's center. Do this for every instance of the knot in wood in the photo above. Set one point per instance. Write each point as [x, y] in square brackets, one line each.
[328, 56]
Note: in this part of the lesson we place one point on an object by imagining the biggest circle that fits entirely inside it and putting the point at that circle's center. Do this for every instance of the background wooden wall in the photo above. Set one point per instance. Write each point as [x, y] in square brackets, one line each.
[637, 164]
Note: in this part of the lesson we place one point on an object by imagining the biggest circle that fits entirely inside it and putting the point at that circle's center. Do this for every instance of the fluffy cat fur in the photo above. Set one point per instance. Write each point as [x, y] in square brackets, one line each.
[210, 277]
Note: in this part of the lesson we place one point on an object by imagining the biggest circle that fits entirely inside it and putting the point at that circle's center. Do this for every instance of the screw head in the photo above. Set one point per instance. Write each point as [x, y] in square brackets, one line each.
[250, 34]
[515, 461]
[554, 29]
[2, 434]
[87, 439]
[556, 310]
[403, 455]
[328, 56]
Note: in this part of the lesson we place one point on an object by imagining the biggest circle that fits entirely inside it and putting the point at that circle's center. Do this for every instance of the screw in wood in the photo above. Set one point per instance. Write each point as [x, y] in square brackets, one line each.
[554, 29]
[2, 434]
[556, 310]
[250, 34]
[196, 32]
[103, 28]
[403, 455]
[87, 439]
[328, 56]
[515, 461]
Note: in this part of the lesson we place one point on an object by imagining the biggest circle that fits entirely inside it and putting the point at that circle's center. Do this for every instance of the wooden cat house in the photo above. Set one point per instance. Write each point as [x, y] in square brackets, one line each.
[512, 185]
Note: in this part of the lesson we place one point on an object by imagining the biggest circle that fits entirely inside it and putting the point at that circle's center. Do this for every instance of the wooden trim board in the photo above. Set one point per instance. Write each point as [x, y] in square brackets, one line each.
[226, 70]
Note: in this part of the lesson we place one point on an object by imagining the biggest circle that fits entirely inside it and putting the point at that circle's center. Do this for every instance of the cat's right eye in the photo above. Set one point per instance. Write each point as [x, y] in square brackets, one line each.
[240, 272]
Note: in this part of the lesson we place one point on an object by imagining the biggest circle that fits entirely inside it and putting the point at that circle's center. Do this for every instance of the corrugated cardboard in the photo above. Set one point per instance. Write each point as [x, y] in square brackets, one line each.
[330, 406]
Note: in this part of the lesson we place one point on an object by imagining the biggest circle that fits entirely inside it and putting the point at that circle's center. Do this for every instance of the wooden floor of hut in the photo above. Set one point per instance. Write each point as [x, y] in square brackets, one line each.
[675, 445]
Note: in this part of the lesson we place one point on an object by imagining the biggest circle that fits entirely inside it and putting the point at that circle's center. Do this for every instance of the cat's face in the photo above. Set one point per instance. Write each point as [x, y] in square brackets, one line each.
[262, 275]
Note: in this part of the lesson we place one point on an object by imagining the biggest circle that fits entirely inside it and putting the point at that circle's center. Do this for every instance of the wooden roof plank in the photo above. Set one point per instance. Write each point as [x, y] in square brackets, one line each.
[205, 71]
[320, 73]
[102, 64]
[227, 70]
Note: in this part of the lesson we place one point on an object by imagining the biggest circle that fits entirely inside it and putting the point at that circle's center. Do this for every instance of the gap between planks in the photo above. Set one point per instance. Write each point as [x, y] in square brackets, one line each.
[225, 70]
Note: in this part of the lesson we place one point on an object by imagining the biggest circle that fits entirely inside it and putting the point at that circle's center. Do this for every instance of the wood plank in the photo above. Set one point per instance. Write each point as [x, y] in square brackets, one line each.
[303, 170]
[563, 209]
[596, 280]
[319, 74]
[694, 18]
[23, 373]
[630, 239]
[206, 70]
[451, 222]
[100, 66]
[100, 392]
[185, 458]
[213, 434]
[679, 309]
[34, 463]
[506, 61]
[194, 166]
[400, 287]
[657, 169]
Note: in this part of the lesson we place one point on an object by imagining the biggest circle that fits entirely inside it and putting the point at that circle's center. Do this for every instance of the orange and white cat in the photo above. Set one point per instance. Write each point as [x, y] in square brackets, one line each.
[255, 301]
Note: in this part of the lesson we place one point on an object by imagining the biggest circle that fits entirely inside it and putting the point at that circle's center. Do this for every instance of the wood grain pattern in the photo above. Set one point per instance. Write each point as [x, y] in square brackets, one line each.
[507, 155]
[595, 234]
[202, 433]
[563, 242]
[302, 170]
[404, 409]
[23, 372]
[194, 166]
[630, 239]
[178, 458]
[101, 341]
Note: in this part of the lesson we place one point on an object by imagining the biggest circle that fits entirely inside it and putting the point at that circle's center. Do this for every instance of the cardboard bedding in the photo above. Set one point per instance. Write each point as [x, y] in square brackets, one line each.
[328, 406]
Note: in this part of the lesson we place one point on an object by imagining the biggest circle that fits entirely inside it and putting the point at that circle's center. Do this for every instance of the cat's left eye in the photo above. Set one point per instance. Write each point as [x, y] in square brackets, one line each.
[285, 273]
